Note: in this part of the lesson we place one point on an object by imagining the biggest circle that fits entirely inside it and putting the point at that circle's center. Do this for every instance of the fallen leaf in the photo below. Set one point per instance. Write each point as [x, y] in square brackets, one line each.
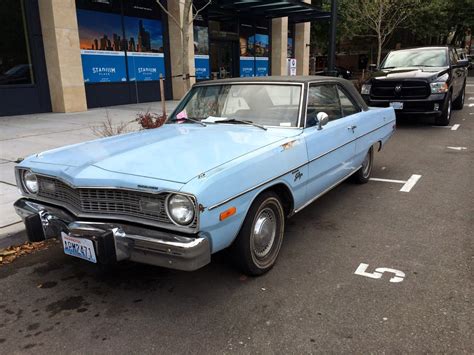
[7, 252]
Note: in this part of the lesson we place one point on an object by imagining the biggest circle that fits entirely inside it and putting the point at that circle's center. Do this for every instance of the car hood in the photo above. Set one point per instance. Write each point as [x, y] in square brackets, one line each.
[426, 73]
[174, 152]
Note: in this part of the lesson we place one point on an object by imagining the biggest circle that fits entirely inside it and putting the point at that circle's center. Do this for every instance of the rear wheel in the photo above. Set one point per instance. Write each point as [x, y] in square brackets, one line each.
[459, 102]
[445, 117]
[258, 243]
[363, 174]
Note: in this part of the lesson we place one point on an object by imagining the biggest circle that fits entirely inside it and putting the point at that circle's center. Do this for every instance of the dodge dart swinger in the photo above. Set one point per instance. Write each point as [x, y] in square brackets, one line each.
[234, 160]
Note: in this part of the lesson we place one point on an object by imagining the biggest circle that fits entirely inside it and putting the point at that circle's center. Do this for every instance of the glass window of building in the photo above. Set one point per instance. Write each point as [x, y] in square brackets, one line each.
[15, 58]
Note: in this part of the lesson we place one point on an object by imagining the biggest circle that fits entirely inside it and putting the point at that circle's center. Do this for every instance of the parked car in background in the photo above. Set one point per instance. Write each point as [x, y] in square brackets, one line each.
[234, 160]
[340, 73]
[462, 55]
[419, 81]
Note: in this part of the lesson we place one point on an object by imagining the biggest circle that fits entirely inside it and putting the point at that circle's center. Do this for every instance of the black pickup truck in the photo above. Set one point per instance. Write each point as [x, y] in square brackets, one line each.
[419, 81]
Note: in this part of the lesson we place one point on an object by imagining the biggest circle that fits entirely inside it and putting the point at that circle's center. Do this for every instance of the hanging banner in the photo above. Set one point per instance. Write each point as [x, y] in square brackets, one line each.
[247, 65]
[144, 38]
[201, 52]
[102, 47]
[103, 66]
[201, 63]
[145, 66]
[261, 66]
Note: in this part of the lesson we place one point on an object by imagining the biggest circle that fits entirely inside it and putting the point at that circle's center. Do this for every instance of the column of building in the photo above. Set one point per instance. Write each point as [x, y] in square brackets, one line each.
[279, 46]
[176, 8]
[62, 55]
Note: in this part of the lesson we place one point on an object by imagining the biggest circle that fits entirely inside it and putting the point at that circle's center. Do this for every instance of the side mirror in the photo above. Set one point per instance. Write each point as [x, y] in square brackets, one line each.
[461, 63]
[323, 119]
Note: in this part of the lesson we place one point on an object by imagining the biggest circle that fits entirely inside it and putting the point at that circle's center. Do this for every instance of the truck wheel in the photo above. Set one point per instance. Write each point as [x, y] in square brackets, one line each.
[445, 117]
[459, 102]
[363, 174]
[258, 243]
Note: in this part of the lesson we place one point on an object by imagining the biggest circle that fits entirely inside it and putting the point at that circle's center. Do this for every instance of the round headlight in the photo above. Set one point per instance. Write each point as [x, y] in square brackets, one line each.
[30, 182]
[180, 209]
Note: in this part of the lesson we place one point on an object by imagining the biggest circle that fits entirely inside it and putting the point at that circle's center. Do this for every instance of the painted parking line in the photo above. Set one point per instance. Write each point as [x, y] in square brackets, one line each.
[377, 274]
[389, 180]
[452, 128]
[457, 148]
[407, 184]
[410, 183]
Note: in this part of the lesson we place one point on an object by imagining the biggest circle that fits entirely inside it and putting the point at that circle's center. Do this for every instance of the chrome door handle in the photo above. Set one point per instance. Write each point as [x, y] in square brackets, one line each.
[352, 128]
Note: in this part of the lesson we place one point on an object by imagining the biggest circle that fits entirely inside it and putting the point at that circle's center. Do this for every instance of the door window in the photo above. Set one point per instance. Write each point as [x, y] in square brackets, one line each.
[322, 98]
[348, 107]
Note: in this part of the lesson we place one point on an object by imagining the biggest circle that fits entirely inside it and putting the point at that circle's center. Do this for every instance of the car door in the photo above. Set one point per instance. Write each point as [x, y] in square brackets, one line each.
[330, 149]
[457, 73]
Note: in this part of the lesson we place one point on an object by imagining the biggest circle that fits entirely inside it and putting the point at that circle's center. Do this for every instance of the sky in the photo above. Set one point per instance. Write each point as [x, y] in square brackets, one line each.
[93, 24]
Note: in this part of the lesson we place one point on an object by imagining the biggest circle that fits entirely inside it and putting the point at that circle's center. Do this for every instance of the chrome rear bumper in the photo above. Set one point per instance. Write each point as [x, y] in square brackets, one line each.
[116, 241]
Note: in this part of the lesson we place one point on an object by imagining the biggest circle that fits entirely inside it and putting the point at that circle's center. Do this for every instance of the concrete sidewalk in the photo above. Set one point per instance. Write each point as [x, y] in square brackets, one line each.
[21, 136]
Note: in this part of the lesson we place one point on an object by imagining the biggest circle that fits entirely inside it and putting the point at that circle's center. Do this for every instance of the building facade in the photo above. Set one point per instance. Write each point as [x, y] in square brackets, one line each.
[71, 55]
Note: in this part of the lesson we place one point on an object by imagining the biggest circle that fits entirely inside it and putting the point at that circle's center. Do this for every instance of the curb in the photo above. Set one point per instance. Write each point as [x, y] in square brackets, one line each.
[14, 237]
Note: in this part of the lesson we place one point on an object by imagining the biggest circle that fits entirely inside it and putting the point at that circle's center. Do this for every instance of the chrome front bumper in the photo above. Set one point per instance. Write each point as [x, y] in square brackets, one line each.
[115, 241]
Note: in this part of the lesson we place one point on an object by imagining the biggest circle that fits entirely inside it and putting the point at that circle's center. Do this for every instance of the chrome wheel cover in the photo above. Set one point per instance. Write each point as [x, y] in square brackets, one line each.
[449, 110]
[264, 232]
[367, 165]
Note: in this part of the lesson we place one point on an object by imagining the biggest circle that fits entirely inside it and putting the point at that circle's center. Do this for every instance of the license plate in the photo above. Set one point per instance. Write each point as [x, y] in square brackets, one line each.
[397, 105]
[79, 247]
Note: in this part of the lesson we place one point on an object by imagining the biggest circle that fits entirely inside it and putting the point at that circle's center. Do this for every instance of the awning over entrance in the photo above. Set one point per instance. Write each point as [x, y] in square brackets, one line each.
[295, 10]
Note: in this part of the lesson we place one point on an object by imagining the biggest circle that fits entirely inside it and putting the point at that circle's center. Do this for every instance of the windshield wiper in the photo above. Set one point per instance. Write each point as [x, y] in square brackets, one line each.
[190, 120]
[233, 120]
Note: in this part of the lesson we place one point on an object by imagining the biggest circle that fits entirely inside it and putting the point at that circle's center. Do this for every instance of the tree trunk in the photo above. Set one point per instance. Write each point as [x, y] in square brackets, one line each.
[379, 50]
[185, 34]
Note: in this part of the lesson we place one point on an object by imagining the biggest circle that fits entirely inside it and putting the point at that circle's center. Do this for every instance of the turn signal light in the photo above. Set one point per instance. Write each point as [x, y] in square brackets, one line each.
[227, 213]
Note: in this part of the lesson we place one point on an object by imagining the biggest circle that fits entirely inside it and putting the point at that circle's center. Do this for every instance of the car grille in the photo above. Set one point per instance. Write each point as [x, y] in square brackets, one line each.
[387, 90]
[101, 201]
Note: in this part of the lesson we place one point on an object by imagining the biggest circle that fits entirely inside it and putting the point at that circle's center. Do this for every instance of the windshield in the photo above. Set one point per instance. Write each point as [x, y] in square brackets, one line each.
[410, 58]
[261, 104]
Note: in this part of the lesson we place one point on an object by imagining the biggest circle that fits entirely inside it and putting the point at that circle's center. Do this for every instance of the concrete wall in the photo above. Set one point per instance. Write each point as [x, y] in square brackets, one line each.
[279, 46]
[175, 7]
[302, 38]
[63, 55]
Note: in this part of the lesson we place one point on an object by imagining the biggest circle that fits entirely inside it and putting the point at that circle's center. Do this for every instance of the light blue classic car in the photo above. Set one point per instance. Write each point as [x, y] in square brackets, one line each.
[235, 159]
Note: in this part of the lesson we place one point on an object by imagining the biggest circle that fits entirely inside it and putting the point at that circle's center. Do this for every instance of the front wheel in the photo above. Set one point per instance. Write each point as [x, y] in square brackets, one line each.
[445, 117]
[258, 243]
[459, 102]
[363, 174]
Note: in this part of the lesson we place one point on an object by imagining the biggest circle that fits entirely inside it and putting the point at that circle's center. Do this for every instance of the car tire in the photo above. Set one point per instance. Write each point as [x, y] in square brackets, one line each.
[258, 243]
[445, 117]
[458, 104]
[362, 175]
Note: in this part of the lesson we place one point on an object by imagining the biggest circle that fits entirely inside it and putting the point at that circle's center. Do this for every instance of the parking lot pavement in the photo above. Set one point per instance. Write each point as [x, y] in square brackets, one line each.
[365, 269]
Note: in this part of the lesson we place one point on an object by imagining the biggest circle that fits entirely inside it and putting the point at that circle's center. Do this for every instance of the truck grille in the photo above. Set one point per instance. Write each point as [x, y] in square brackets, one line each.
[387, 90]
[101, 201]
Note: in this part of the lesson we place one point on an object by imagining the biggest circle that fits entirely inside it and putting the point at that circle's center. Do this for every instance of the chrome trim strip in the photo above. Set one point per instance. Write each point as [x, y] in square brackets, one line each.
[325, 191]
[289, 171]
[349, 142]
[144, 221]
[252, 188]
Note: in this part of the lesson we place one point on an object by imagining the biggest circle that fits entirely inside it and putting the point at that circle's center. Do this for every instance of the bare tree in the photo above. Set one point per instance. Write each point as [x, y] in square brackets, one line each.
[382, 17]
[183, 23]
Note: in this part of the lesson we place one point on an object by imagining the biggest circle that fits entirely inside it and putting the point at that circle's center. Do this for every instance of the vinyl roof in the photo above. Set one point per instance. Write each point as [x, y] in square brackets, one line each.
[286, 78]
[298, 79]
[295, 10]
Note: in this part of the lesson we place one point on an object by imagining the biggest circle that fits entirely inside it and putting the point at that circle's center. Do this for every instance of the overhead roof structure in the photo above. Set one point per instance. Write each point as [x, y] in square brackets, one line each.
[296, 10]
